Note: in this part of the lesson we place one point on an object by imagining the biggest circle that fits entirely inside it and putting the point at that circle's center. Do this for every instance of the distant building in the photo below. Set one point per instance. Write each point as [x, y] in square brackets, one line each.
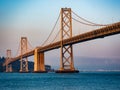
[47, 67]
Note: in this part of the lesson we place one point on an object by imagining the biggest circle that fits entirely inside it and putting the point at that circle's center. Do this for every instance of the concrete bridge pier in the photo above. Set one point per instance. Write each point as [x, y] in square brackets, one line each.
[39, 66]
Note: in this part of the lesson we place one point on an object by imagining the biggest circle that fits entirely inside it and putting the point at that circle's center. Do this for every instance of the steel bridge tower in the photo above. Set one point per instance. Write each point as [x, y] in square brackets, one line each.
[8, 66]
[23, 49]
[66, 58]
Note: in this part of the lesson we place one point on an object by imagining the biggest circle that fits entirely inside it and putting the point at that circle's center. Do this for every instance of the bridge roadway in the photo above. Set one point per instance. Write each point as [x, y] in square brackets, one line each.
[98, 33]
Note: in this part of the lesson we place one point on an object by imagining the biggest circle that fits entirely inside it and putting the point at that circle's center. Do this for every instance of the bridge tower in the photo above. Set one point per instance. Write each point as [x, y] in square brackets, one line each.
[66, 58]
[23, 49]
[8, 66]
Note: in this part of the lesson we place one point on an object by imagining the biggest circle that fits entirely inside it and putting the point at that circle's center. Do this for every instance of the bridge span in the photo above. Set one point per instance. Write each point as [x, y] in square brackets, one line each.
[38, 52]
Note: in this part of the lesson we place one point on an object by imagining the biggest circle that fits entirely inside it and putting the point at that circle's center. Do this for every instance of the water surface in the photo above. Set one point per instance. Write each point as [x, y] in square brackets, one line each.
[53, 81]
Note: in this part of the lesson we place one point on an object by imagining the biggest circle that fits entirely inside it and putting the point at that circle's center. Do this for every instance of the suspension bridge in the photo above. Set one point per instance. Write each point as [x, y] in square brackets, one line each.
[65, 42]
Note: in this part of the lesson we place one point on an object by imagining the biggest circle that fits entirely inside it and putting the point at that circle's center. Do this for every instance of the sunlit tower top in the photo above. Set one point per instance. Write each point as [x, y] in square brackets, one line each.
[8, 53]
[24, 46]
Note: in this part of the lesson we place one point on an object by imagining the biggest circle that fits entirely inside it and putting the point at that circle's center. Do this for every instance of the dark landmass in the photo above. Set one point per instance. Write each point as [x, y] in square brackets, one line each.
[90, 63]
[16, 66]
[81, 64]
[2, 59]
[97, 64]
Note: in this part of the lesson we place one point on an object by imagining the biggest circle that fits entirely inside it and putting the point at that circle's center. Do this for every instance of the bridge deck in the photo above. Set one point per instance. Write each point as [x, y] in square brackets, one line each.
[98, 33]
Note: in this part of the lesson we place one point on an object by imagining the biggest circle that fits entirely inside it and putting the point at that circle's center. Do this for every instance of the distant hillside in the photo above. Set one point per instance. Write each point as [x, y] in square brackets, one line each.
[1, 62]
[81, 63]
[16, 66]
[89, 63]
[97, 63]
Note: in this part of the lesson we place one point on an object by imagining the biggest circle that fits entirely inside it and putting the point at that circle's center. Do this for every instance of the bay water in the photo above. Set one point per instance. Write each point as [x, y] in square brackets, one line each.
[55, 81]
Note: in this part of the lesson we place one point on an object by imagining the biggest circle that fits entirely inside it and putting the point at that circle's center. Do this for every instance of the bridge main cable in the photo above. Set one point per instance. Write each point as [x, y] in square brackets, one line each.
[88, 22]
[51, 30]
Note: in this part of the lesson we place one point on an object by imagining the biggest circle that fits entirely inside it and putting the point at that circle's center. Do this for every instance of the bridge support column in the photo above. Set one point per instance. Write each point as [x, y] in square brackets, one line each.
[66, 59]
[39, 65]
[24, 65]
[24, 61]
[8, 58]
[9, 68]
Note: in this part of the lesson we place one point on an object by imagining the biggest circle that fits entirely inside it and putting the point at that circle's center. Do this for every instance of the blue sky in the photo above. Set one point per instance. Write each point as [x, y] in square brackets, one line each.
[35, 19]
[9, 8]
